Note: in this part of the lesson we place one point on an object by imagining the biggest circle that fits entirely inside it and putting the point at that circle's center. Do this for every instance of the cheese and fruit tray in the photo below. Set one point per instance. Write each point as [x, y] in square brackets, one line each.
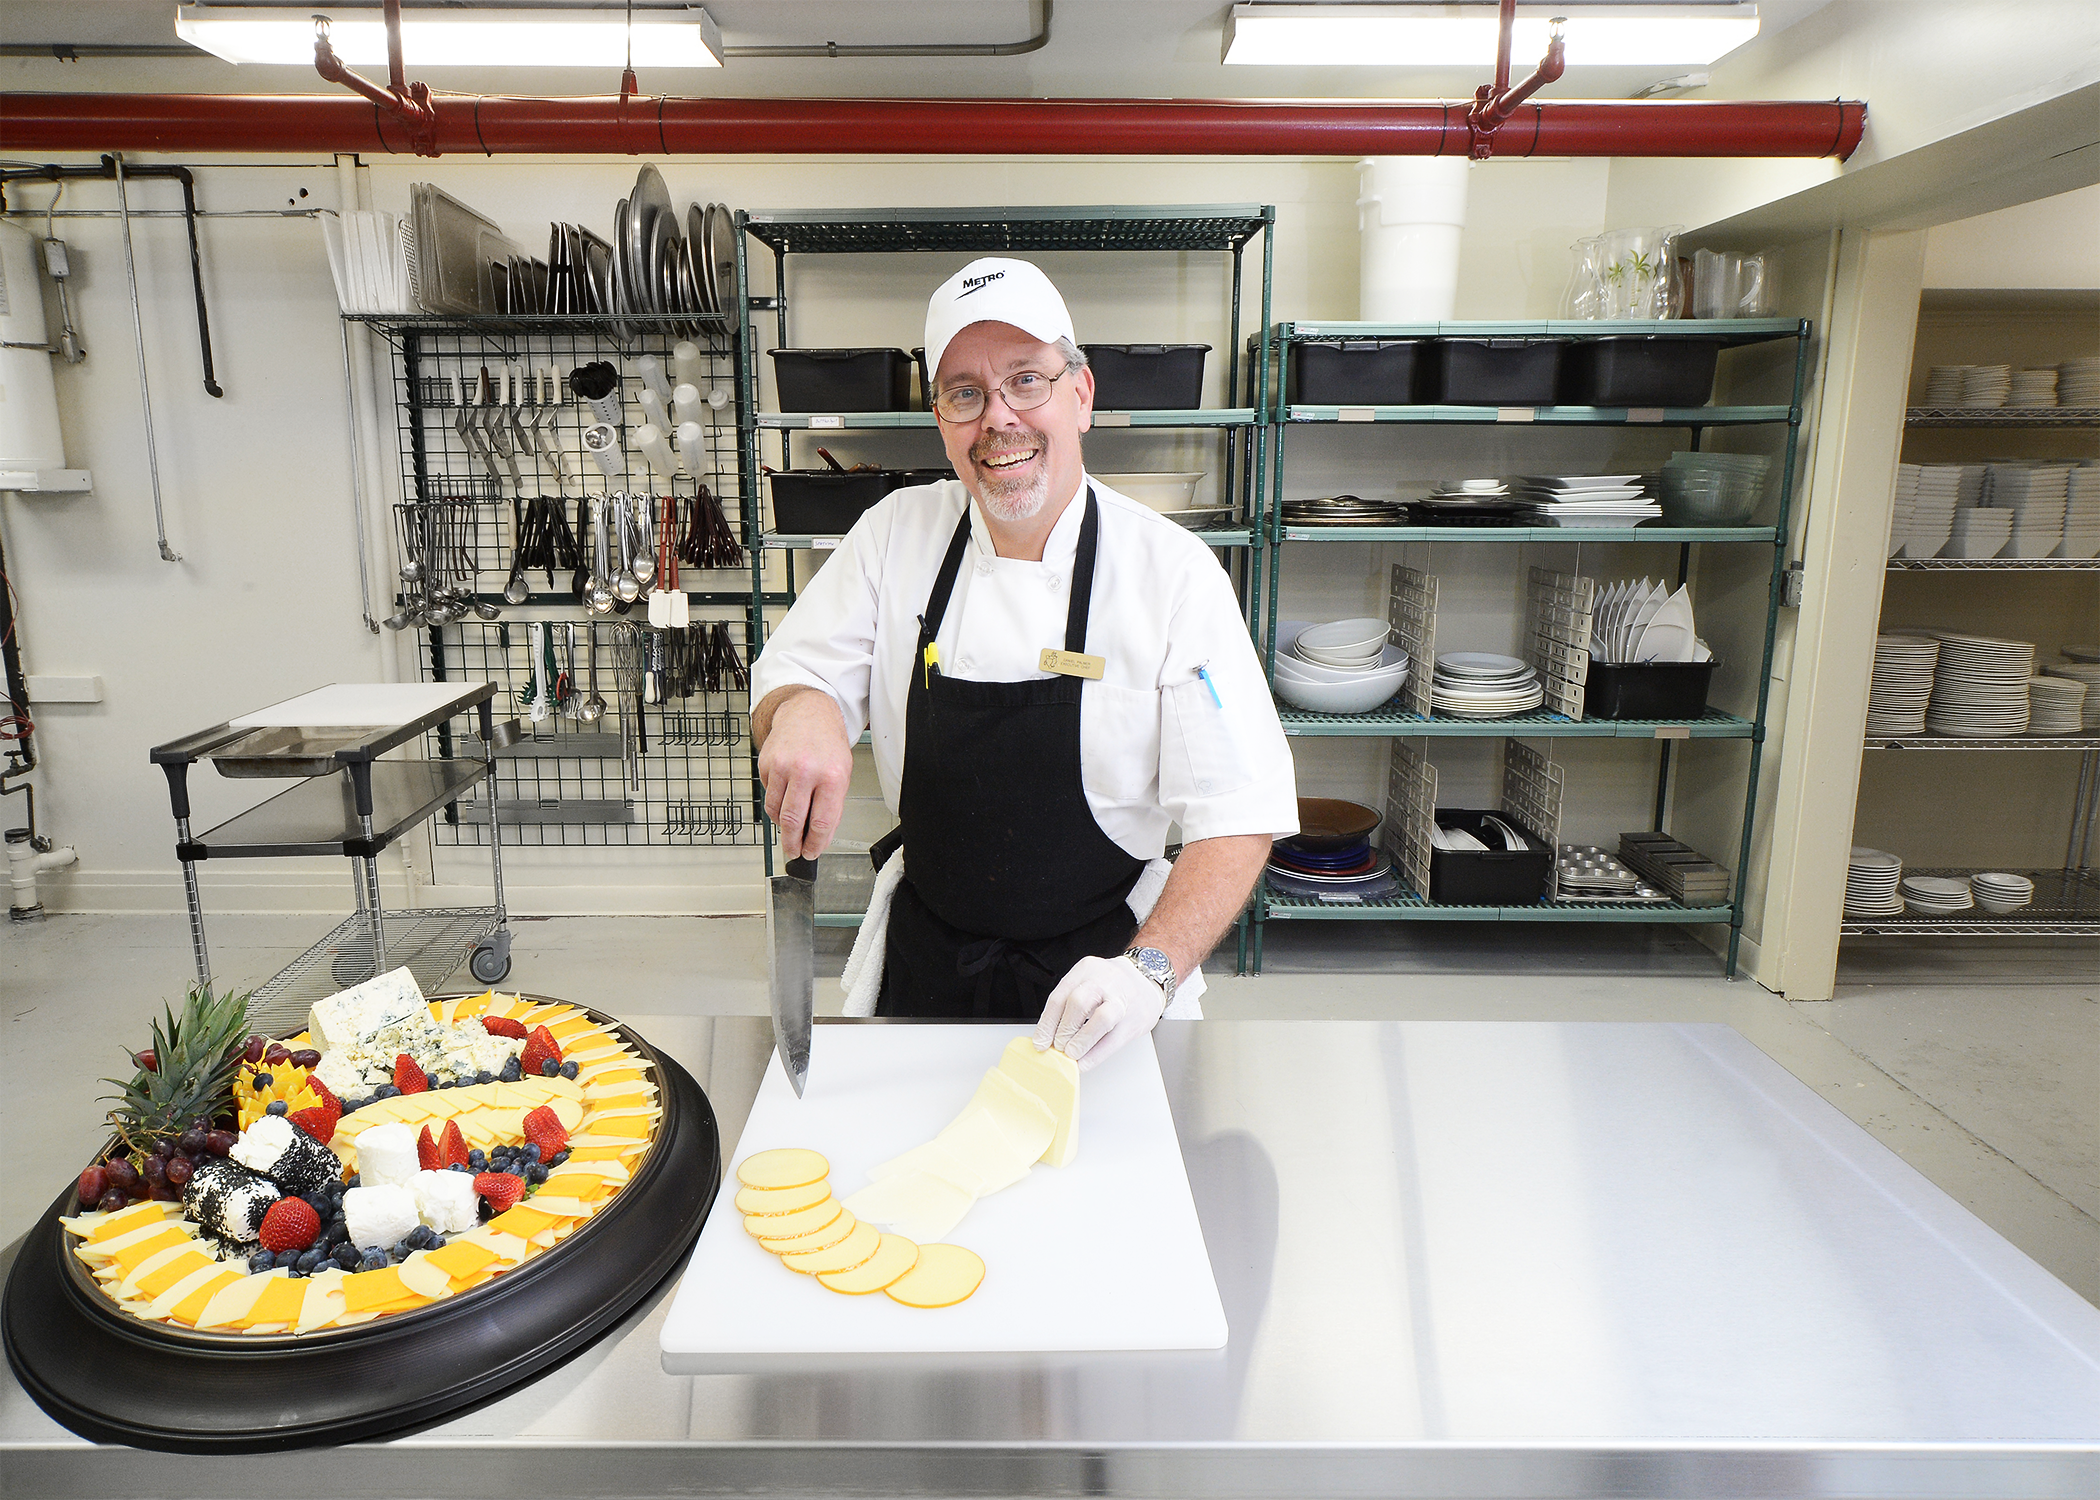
[398, 1160]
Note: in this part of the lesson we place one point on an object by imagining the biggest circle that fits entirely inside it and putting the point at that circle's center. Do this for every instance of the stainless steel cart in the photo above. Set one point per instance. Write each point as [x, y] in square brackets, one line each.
[348, 802]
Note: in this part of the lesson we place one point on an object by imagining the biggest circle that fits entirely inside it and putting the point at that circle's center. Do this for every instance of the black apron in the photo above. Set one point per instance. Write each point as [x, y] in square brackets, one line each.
[1010, 880]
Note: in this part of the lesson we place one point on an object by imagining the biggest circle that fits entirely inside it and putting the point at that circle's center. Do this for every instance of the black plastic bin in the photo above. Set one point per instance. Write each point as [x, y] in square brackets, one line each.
[1491, 877]
[1639, 371]
[1647, 690]
[1493, 372]
[1146, 377]
[823, 502]
[918, 359]
[906, 478]
[841, 380]
[1355, 372]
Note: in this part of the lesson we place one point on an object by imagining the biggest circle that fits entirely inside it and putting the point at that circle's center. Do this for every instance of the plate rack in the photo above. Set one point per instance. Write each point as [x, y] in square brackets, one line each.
[1557, 636]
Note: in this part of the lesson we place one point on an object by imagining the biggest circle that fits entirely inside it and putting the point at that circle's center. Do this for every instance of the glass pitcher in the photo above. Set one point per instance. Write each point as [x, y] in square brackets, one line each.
[1585, 297]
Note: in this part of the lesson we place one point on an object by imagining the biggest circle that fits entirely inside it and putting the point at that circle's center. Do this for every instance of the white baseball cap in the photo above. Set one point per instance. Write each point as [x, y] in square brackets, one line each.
[994, 290]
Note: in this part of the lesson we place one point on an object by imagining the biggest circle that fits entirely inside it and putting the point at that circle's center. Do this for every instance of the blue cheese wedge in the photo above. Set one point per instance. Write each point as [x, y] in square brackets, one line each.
[343, 1021]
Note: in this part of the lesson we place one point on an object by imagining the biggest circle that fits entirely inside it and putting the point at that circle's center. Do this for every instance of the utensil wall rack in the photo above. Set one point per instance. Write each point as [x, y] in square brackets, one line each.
[1274, 540]
[2066, 900]
[674, 772]
[346, 801]
[1226, 229]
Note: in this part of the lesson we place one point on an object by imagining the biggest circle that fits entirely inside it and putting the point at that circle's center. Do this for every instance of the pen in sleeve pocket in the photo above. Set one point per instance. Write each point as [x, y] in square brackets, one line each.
[1204, 673]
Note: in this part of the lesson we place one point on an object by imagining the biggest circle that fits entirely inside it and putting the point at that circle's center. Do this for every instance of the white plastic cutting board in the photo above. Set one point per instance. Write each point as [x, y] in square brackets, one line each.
[1105, 1254]
[357, 705]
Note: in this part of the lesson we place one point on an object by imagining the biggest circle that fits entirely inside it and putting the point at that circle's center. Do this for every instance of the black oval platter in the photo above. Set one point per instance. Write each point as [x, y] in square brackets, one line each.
[114, 1378]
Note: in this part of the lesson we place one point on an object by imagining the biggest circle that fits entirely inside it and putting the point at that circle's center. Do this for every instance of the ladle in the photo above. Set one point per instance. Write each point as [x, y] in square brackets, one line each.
[594, 706]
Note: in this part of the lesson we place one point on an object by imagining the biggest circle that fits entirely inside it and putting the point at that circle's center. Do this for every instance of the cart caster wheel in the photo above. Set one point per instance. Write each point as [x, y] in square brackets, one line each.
[490, 961]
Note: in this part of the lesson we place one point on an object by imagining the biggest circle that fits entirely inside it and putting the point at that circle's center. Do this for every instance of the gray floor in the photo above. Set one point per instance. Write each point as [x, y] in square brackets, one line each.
[1977, 1064]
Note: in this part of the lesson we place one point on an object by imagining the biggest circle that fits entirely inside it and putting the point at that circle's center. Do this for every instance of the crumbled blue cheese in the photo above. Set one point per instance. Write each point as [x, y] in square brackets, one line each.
[451, 1052]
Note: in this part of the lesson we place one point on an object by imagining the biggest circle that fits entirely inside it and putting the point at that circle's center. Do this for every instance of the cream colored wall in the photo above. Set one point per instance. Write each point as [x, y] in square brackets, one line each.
[2052, 242]
[257, 487]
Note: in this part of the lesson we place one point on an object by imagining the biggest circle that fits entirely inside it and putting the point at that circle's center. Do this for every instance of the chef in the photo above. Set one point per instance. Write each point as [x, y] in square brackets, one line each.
[1052, 675]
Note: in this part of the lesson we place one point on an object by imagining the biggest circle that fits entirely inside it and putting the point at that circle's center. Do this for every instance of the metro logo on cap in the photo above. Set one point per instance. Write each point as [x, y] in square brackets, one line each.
[1014, 291]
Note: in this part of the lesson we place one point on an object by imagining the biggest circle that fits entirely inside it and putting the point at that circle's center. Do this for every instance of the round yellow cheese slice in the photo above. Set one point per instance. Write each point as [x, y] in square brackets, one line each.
[787, 1167]
[892, 1258]
[849, 1252]
[801, 1221]
[944, 1276]
[821, 1239]
[782, 1200]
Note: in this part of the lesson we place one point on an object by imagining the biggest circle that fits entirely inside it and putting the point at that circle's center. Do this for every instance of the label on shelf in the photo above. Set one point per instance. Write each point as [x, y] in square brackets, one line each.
[1644, 413]
[823, 543]
[816, 422]
[1111, 419]
[1356, 414]
[1340, 900]
[1673, 731]
[1516, 414]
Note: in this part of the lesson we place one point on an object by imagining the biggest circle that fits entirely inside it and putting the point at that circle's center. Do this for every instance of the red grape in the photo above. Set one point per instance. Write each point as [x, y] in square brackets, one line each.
[112, 1199]
[192, 1140]
[94, 1182]
[179, 1170]
[160, 1192]
[155, 1171]
[147, 1060]
[164, 1147]
[276, 1053]
[253, 1052]
[123, 1175]
[219, 1142]
[306, 1057]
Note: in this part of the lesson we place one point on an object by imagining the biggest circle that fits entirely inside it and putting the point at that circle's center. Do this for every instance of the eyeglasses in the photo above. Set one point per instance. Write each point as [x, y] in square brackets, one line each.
[1024, 390]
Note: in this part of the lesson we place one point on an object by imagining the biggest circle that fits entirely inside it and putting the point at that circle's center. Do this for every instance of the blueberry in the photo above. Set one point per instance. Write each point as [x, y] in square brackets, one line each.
[352, 1106]
[386, 1091]
[353, 1180]
[511, 1071]
[437, 1241]
[568, 1070]
[296, 1274]
[307, 1260]
[278, 1107]
[535, 1173]
[263, 1081]
[418, 1237]
[460, 1166]
[477, 1158]
[346, 1256]
[531, 1151]
[261, 1260]
[559, 1157]
[373, 1260]
[549, 1068]
[484, 1076]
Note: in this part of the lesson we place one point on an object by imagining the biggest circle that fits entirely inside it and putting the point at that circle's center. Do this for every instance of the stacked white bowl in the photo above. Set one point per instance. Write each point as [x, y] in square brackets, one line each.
[2081, 512]
[1978, 531]
[1904, 514]
[2038, 497]
[1871, 881]
[1942, 490]
[1997, 891]
[1341, 667]
[1937, 895]
[2078, 382]
[2088, 673]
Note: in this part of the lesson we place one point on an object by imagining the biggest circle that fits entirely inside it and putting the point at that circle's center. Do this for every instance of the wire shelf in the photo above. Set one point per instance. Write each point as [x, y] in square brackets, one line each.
[2066, 904]
[1393, 719]
[1209, 226]
[2002, 416]
[431, 944]
[2001, 742]
[1994, 565]
[1406, 906]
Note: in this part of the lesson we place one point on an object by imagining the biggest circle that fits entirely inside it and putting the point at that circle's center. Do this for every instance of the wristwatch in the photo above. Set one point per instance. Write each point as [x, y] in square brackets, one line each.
[1155, 966]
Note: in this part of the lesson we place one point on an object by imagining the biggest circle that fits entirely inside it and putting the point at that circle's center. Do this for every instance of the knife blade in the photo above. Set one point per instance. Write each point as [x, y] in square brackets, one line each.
[791, 920]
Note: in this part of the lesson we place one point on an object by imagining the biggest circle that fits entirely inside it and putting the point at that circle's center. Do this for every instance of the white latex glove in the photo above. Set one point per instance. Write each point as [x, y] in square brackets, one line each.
[1096, 1008]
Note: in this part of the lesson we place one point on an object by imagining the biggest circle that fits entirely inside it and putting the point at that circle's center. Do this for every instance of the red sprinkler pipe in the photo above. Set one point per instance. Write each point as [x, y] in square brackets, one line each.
[665, 126]
[1494, 104]
[409, 103]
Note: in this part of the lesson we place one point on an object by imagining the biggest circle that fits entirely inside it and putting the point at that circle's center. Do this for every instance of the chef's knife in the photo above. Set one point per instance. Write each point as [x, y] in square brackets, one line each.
[791, 921]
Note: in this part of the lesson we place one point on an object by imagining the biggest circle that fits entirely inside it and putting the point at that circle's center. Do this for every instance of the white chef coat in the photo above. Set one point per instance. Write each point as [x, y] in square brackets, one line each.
[1156, 747]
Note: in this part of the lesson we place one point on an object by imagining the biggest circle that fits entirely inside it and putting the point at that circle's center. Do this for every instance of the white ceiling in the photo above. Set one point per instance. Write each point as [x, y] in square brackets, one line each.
[1098, 48]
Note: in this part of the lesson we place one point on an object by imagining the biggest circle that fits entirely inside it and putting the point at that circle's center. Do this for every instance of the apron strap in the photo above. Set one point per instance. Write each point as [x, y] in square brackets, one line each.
[944, 583]
[1082, 577]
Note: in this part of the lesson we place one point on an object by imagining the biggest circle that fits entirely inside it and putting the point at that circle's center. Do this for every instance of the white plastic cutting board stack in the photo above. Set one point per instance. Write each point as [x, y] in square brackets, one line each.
[356, 705]
[1122, 1210]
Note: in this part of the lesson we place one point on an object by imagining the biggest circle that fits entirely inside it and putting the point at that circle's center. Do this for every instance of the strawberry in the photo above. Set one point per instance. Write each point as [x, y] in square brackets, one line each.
[501, 1189]
[543, 1127]
[503, 1026]
[316, 1122]
[408, 1077]
[452, 1146]
[291, 1224]
[427, 1152]
[327, 1095]
[539, 1051]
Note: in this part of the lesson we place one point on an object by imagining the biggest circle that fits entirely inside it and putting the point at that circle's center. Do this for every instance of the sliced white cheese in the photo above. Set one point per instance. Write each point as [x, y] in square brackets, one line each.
[935, 1158]
[173, 1297]
[1053, 1078]
[917, 1205]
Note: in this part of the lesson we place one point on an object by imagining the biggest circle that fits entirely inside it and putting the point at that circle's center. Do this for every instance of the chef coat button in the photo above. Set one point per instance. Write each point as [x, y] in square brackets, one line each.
[1202, 786]
[1051, 583]
[984, 570]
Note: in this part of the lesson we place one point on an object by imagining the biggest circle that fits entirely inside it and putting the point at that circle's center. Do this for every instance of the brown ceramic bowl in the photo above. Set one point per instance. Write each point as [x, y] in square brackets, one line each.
[1328, 823]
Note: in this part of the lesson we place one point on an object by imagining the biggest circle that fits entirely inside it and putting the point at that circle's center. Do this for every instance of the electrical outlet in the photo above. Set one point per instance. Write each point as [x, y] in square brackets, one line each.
[1791, 584]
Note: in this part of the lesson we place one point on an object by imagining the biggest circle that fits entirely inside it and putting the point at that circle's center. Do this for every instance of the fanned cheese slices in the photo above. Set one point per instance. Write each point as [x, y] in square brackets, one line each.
[847, 1254]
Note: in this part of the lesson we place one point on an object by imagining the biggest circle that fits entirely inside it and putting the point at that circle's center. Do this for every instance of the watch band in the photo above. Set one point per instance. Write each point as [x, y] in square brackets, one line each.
[1155, 966]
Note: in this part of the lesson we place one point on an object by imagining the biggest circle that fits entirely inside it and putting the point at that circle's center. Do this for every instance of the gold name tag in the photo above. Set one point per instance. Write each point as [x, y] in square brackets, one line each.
[1074, 664]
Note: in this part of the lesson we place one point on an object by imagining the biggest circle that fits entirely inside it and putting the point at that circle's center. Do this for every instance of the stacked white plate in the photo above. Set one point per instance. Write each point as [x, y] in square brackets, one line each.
[2056, 705]
[1585, 499]
[1937, 895]
[1986, 385]
[1999, 892]
[2038, 497]
[2033, 388]
[1871, 881]
[1644, 622]
[2081, 512]
[2088, 673]
[2082, 653]
[1479, 685]
[1342, 667]
[2078, 382]
[1943, 386]
[1902, 684]
[1904, 513]
[1978, 531]
[1979, 686]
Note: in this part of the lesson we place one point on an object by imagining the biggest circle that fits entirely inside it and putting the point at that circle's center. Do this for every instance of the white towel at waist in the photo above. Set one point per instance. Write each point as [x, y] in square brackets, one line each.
[862, 979]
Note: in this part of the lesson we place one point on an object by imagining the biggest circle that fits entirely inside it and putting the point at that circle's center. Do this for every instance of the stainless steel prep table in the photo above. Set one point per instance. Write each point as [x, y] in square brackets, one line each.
[1458, 1259]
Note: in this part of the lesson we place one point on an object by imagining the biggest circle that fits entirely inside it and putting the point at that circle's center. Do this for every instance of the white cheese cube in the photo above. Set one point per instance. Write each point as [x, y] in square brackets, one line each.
[447, 1201]
[386, 1155]
[379, 1216]
[345, 1019]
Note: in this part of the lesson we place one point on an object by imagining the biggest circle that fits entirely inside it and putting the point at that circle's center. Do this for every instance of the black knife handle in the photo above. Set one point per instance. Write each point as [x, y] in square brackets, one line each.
[803, 869]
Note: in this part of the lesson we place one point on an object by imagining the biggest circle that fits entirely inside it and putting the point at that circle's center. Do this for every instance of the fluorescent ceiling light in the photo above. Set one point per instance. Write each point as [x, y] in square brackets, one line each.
[1430, 36]
[684, 37]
